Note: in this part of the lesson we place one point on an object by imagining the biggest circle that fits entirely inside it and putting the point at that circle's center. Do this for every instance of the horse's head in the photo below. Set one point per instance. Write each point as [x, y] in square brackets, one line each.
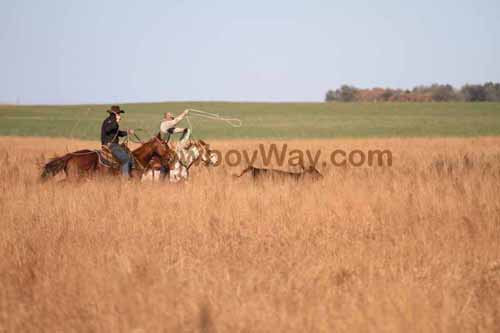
[163, 151]
[207, 156]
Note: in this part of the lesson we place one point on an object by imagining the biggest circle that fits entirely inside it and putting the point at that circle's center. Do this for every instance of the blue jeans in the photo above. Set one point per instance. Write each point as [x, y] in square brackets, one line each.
[121, 155]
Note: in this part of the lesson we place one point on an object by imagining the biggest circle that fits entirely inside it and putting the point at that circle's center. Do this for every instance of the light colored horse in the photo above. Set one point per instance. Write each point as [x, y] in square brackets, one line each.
[194, 153]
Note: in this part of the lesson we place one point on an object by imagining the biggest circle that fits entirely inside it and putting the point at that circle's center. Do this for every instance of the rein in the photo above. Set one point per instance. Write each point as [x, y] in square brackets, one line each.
[143, 143]
[139, 140]
[137, 159]
[194, 160]
[139, 163]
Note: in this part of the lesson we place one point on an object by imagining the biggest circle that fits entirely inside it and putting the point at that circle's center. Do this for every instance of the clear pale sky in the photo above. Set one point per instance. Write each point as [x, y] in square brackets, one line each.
[65, 51]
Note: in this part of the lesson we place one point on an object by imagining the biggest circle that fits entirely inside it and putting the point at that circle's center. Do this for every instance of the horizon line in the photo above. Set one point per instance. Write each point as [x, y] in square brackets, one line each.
[158, 102]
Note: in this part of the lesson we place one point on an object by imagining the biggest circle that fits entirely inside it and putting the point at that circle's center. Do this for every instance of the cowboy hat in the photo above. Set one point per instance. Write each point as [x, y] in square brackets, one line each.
[115, 109]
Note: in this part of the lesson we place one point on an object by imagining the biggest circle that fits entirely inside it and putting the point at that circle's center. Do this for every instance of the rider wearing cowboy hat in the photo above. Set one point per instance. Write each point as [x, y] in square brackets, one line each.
[110, 132]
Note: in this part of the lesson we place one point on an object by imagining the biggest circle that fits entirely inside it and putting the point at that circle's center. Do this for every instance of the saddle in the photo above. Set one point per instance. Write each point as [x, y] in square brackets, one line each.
[107, 159]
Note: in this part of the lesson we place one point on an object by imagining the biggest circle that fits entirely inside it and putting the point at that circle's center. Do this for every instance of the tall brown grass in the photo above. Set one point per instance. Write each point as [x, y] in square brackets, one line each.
[411, 248]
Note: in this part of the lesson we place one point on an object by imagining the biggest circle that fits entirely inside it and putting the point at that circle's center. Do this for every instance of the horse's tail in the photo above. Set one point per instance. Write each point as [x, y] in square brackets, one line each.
[243, 172]
[54, 166]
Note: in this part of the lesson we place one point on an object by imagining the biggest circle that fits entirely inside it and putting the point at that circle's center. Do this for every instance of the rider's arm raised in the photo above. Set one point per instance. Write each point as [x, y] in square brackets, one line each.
[167, 124]
[181, 116]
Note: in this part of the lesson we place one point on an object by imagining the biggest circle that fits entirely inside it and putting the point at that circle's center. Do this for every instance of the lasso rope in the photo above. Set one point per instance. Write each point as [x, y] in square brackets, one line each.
[233, 122]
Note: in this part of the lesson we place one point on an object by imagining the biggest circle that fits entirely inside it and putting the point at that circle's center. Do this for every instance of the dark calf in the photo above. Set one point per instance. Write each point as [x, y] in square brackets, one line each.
[261, 173]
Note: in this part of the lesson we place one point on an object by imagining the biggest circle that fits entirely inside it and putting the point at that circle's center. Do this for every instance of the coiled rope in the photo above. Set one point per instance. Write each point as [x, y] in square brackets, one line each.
[233, 122]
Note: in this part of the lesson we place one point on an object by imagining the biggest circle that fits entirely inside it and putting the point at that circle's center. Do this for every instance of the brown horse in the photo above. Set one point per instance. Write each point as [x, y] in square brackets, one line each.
[85, 163]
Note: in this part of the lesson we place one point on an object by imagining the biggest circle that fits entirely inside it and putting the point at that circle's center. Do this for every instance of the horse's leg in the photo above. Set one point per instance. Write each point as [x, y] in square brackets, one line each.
[148, 175]
[174, 173]
[157, 176]
[184, 173]
[136, 175]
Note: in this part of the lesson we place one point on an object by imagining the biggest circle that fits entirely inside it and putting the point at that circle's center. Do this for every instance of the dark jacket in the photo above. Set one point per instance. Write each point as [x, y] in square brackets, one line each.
[110, 131]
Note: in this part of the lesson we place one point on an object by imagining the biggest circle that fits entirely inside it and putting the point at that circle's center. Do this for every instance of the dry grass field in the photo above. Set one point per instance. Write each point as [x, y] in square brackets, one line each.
[410, 248]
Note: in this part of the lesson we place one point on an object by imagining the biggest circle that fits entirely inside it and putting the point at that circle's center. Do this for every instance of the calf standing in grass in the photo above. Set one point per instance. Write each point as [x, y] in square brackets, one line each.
[261, 173]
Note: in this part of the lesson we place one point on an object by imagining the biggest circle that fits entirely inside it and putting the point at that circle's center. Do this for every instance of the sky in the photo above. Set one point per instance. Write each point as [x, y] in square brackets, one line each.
[98, 51]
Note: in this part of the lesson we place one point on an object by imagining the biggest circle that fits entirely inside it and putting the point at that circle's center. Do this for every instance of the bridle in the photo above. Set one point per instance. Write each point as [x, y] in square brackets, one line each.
[154, 152]
[173, 155]
[202, 152]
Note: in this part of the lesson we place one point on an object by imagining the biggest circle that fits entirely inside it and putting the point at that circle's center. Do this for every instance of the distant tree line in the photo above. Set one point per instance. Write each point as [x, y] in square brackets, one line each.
[488, 92]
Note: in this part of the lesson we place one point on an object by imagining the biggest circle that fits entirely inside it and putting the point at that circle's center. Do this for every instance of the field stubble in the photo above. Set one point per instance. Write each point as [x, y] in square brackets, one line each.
[414, 247]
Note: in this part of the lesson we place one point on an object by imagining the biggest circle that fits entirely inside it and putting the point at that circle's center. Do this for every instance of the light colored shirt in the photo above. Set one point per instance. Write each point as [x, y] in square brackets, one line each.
[169, 124]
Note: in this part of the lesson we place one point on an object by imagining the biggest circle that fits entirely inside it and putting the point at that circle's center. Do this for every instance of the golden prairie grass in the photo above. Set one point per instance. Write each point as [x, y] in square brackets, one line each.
[410, 248]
